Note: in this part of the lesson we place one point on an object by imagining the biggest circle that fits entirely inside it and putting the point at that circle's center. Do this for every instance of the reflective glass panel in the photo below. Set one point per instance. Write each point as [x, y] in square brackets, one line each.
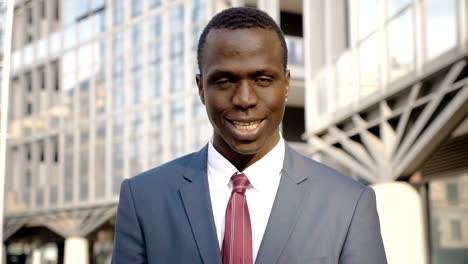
[448, 202]
[155, 118]
[100, 168]
[117, 43]
[117, 165]
[96, 4]
[156, 27]
[369, 11]
[85, 29]
[136, 7]
[69, 37]
[199, 10]
[177, 18]
[395, 5]
[401, 44]
[370, 53]
[117, 12]
[154, 3]
[54, 42]
[84, 172]
[441, 31]
[177, 111]
[344, 74]
[100, 21]
[68, 176]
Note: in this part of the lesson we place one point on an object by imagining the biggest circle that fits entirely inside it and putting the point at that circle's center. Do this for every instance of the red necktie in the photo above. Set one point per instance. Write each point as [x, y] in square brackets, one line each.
[237, 243]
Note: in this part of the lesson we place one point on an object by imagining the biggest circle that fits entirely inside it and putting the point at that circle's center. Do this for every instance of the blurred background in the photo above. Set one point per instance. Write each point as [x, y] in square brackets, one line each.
[100, 90]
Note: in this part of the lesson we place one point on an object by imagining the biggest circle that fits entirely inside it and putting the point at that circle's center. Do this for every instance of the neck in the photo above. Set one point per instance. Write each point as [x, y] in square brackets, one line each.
[243, 161]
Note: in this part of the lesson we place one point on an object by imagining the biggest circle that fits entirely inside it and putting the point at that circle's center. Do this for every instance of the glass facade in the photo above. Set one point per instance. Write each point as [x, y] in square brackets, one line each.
[114, 91]
[448, 208]
[389, 40]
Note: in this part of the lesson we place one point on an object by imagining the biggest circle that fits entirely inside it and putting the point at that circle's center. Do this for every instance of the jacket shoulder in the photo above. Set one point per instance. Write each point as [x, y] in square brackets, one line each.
[168, 173]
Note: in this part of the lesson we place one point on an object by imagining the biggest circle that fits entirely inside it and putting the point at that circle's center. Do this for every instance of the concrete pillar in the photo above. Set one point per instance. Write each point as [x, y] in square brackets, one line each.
[76, 251]
[402, 223]
[272, 7]
[36, 256]
[314, 57]
[236, 3]
[4, 254]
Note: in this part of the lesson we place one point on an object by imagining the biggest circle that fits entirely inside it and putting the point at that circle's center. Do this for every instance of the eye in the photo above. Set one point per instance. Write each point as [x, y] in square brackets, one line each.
[223, 83]
[264, 81]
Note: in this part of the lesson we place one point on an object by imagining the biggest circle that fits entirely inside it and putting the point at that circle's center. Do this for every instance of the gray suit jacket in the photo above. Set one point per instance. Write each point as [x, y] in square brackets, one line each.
[318, 216]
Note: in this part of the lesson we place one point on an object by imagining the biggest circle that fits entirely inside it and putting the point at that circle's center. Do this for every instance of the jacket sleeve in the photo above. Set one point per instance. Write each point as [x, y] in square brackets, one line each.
[363, 243]
[129, 243]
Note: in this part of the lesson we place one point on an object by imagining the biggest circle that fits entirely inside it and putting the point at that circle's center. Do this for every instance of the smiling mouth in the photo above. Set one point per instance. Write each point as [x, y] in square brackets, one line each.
[246, 126]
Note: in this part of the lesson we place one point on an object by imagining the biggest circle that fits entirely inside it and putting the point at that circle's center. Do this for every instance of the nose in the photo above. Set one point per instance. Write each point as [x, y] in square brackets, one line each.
[244, 96]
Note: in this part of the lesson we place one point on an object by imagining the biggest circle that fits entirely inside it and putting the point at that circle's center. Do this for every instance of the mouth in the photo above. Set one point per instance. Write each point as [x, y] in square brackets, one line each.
[246, 126]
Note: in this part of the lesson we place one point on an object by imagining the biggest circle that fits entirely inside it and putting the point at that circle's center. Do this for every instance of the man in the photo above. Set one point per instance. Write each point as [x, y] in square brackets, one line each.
[246, 196]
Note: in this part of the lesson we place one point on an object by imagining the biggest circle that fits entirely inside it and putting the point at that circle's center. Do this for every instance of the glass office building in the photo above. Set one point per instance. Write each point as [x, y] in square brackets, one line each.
[387, 99]
[102, 90]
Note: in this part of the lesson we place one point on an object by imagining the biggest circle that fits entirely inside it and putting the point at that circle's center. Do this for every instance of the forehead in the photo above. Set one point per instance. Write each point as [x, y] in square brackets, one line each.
[244, 46]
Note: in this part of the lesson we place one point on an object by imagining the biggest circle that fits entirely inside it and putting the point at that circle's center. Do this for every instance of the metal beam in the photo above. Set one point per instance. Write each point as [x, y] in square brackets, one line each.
[412, 135]
[439, 129]
[343, 158]
[403, 122]
[356, 149]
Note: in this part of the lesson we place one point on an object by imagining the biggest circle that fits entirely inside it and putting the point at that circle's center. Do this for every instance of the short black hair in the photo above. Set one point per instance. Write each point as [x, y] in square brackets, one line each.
[241, 18]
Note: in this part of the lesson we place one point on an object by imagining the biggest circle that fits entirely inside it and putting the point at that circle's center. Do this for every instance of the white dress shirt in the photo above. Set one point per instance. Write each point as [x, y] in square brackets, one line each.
[264, 176]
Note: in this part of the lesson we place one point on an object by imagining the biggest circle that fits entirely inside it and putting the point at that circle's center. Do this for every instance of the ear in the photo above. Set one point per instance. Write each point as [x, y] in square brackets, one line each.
[201, 93]
[287, 78]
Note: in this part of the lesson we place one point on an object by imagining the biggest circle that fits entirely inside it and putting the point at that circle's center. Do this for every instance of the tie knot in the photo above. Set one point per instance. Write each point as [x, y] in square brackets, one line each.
[240, 182]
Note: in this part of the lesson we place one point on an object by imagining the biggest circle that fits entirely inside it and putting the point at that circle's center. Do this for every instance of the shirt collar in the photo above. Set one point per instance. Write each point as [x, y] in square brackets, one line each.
[260, 173]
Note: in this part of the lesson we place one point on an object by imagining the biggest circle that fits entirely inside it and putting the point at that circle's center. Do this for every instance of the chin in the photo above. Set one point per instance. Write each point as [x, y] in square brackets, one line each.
[246, 149]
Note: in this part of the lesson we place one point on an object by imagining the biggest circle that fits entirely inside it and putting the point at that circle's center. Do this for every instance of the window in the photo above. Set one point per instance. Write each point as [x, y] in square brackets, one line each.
[401, 44]
[29, 109]
[29, 14]
[396, 5]
[55, 146]
[28, 79]
[42, 77]
[117, 12]
[57, 10]
[177, 111]
[85, 29]
[455, 230]
[41, 151]
[55, 75]
[42, 6]
[198, 10]
[452, 193]
[154, 3]
[369, 53]
[136, 7]
[447, 196]
[28, 152]
[368, 16]
[441, 30]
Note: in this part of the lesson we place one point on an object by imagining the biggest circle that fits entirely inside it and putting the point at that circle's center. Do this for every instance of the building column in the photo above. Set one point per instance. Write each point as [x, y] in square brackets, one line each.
[272, 7]
[4, 255]
[76, 251]
[314, 57]
[36, 256]
[236, 3]
[408, 203]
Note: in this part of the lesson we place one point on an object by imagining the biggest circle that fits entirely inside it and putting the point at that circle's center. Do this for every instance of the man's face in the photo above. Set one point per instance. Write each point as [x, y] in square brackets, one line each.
[243, 85]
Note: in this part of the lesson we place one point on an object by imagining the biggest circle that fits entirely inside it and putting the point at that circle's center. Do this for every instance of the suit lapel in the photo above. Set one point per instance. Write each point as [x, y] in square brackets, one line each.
[286, 208]
[195, 196]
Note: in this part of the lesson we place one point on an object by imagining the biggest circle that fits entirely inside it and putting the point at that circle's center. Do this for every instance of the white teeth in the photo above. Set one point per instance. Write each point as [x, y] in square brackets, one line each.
[246, 125]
